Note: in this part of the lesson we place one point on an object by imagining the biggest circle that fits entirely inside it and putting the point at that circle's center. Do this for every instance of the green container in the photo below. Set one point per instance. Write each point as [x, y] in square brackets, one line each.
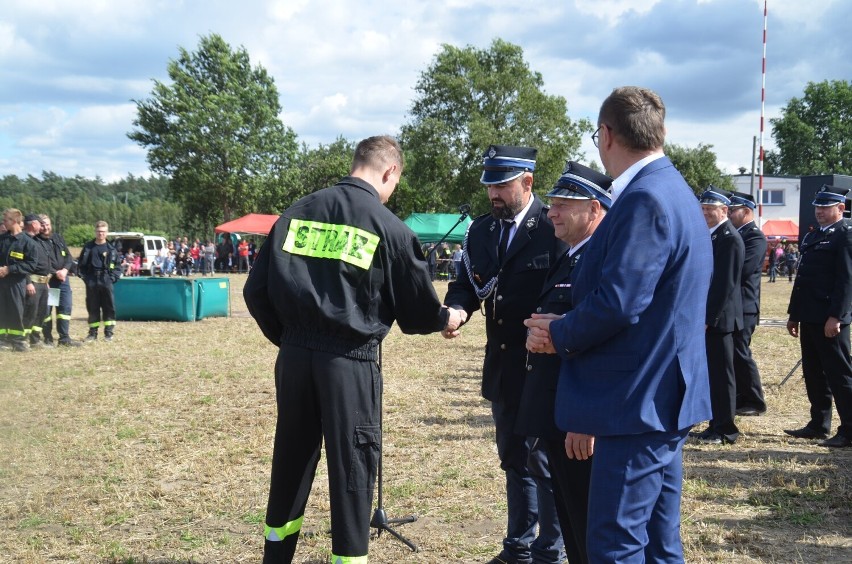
[146, 298]
[212, 297]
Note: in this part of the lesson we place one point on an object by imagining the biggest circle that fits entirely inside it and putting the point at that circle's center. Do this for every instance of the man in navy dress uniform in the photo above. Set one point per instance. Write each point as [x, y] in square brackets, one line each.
[724, 316]
[507, 255]
[578, 203]
[820, 311]
[749, 388]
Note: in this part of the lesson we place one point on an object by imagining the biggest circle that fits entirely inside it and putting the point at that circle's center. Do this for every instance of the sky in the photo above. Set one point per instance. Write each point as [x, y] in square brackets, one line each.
[70, 69]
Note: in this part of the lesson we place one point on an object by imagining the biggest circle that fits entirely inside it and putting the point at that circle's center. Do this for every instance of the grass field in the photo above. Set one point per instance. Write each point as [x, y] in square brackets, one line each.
[156, 448]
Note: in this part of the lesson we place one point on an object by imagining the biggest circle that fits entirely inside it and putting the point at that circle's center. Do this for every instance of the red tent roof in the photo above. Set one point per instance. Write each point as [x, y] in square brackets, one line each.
[781, 228]
[252, 224]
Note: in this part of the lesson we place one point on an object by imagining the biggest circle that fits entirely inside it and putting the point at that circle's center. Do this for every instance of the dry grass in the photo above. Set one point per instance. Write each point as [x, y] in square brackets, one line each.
[156, 448]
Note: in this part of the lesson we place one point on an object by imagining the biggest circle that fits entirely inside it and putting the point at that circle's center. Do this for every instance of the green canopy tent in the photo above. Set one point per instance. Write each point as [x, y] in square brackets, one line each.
[430, 227]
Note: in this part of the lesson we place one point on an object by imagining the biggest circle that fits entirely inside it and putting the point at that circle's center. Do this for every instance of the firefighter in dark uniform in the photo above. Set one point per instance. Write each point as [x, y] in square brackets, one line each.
[724, 317]
[18, 259]
[507, 255]
[335, 272]
[749, 397]
[60, 264]
[35, 307]
[100, 268]
[820, 311]
[578, 203]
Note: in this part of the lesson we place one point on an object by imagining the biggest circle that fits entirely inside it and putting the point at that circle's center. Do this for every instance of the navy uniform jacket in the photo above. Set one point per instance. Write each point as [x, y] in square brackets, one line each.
[21, 254]
[60, 255]
[823, 285]
[99, 269]
[755, 250]
[725, 298]
[633, 350]
[536, 414]
[533, 250]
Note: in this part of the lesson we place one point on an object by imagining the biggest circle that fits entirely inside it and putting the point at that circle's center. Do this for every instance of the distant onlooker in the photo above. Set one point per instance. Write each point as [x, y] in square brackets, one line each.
[209, 252]
[458, 258]
[243, 252]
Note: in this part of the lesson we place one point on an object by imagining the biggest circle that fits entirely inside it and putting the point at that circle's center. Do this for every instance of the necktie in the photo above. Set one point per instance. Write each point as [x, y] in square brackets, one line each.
[506, 227]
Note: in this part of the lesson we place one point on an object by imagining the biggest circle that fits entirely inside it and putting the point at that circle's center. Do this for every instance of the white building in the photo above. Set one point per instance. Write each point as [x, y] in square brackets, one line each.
[780, 195]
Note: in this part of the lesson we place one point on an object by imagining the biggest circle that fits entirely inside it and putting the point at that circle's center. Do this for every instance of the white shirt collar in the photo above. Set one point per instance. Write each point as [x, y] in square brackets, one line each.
[574, 249]
[717, 226]
[620, 183]
[523, 213]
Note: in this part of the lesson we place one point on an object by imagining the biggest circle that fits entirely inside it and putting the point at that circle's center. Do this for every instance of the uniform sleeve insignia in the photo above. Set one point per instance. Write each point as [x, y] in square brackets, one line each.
[531, 222]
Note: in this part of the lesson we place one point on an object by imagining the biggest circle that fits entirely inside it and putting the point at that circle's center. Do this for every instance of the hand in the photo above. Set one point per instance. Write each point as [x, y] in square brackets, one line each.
[793, 328]
[832, 328]
[538, 335]
[4, 271]
[30, 289]
[61, 275]
[455, 320]
[579, 446]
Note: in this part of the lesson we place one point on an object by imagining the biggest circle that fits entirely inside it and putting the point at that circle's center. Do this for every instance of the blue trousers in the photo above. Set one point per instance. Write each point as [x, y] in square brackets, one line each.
[634, 498]
[529, 494]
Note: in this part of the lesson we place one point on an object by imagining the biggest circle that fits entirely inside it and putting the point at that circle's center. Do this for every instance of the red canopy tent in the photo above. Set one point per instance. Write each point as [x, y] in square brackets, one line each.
[251, 224]
[781, 229]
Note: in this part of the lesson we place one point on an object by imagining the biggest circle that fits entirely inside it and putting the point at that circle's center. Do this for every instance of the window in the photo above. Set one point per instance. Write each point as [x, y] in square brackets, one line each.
[773, 197]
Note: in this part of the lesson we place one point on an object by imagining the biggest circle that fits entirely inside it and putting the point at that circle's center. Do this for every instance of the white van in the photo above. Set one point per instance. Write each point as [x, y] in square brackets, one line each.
[146, 246]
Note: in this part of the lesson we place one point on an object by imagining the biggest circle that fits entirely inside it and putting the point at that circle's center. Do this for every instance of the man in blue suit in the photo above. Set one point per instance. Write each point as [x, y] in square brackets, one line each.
[634, 370]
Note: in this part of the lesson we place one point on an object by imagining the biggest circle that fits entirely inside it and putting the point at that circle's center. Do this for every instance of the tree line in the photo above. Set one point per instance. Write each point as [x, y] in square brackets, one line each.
[218, 148]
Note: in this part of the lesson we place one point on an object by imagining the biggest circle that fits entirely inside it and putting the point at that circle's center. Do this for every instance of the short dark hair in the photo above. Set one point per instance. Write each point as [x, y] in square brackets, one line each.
[636, 115]
[377, 152]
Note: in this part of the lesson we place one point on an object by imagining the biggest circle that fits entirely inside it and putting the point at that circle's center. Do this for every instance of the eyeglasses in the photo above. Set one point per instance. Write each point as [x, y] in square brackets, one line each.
[596, 135]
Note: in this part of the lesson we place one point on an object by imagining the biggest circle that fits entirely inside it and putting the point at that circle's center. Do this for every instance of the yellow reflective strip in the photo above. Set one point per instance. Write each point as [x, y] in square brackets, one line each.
[17, 333]
[63, 316]
[95, 324]
[108, 323]
[63, 253]
[36, 328]
[2, 331]
[326, 240]
[279, 533]
[46, 319]
[337, 559]
[17, 255]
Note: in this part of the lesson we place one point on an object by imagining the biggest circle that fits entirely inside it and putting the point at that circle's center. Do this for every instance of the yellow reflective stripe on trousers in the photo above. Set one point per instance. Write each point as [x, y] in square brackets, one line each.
[327, 240]
[336, 559]
[108, 323]
[63, 316]
[279, 533]
[95, 325]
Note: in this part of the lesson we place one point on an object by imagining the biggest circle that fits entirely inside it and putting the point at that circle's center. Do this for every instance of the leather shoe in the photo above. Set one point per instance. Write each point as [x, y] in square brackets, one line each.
[806, 433]
[837, 441]
[750, 411]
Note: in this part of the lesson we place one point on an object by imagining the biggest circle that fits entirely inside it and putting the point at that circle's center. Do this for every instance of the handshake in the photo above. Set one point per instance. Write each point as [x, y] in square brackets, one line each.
[455, 320]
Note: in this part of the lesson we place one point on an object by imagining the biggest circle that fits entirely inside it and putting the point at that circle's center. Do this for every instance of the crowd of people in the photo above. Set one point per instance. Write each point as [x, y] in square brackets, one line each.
[179, 257]
[598, 363]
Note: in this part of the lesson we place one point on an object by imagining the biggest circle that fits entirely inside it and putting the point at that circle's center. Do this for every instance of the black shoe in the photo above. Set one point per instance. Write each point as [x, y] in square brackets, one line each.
[837, 441]
[69, 343]
[503, 559]
[5, 346]
[49, 343]
[20, 346]
[699, 434]
[750, 411]
[108, 338]
[90, 337]
[36, 345]
[806, 433]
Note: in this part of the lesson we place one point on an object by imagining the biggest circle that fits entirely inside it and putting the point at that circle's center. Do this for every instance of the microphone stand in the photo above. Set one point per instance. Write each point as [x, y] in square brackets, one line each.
[464, 210]
[380, 520]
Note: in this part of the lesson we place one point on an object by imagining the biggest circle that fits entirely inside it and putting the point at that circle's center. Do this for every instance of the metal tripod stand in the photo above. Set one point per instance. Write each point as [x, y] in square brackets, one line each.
[380, 520]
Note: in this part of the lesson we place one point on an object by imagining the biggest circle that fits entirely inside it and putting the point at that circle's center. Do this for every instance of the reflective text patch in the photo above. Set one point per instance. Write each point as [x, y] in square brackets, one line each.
[325, 240]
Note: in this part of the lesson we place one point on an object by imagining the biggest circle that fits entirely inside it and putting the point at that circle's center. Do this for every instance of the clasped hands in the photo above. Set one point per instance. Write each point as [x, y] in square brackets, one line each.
[455, 320]
[538, 332]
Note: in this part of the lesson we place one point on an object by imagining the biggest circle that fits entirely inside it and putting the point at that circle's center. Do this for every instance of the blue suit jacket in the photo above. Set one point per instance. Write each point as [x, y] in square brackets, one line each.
[633, 346]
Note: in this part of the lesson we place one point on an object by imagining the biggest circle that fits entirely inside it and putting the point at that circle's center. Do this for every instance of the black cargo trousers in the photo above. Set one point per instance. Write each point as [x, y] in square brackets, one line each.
[324, 396]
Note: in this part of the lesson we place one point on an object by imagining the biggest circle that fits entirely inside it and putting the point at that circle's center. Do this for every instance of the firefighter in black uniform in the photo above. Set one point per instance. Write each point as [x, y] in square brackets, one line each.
[578, 203]
[35, 307]
[820, 311]
[18, 259]
[335, 272]
[750, 400]
[100, 268]
[60, 263]
[724, 317]
[507, 255]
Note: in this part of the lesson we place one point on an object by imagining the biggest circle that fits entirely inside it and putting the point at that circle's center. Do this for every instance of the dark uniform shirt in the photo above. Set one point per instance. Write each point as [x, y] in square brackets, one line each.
[43, 261]
[335, 272]
[725, 298]
[59, 254]
[755, 249]
[99, 263]
[509, 292]
[20, 253]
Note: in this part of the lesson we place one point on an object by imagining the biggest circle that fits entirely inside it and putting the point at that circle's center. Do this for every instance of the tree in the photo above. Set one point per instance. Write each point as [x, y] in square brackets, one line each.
[814, 133]
[467, 100]
[215, 132]
[698, 167]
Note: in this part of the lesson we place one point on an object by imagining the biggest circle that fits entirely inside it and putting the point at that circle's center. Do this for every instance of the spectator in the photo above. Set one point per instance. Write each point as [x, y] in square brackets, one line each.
[243, 252]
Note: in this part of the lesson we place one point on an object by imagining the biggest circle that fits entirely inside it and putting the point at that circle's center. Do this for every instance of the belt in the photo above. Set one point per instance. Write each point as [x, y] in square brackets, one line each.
[38, 279]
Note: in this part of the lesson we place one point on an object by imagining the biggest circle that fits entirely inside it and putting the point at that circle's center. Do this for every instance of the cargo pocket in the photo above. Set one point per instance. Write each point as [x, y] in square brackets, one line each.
[365, 458]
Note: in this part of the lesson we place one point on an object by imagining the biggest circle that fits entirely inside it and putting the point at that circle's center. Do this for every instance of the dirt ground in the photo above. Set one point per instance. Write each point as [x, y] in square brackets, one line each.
[156, 448]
